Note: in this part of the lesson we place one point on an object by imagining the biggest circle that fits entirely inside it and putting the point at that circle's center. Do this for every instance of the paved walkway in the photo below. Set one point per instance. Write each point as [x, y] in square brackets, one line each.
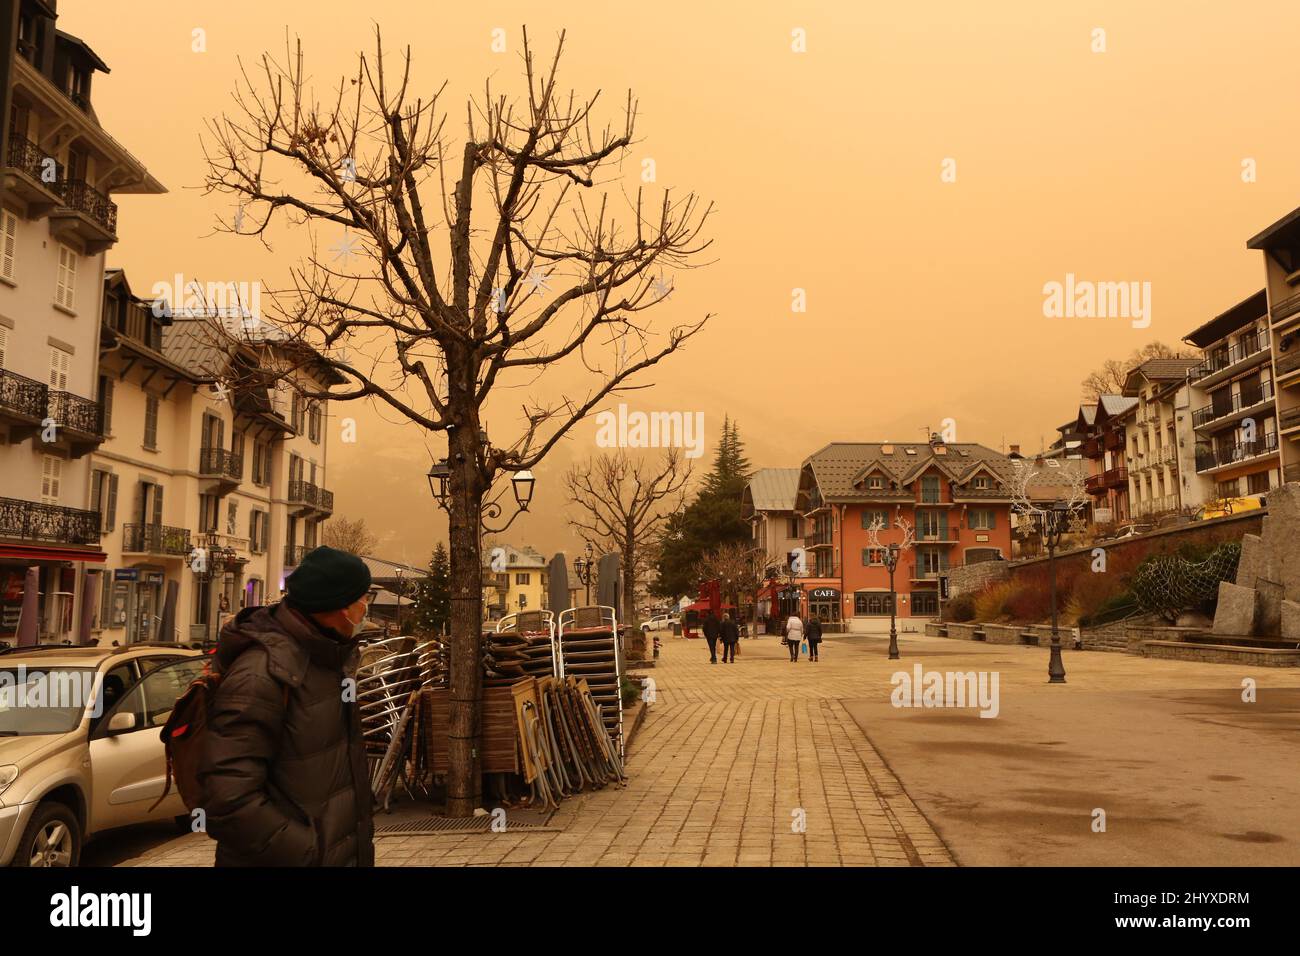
[728, 764]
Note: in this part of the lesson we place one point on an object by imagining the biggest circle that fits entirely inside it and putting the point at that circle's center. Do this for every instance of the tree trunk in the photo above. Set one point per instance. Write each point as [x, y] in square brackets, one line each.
[464, 775]
[629, 576]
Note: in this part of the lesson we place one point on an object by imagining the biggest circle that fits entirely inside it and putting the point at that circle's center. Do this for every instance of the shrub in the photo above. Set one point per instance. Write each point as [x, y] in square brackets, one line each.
[960, 609]
[1116, 608]
[990, 603]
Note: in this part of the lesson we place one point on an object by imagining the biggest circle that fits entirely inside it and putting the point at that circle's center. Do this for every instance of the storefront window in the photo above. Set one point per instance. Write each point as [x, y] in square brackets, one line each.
[872, 603]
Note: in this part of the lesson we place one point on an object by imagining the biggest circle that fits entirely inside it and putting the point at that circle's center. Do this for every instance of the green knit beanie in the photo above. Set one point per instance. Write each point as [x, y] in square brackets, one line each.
[327, 580]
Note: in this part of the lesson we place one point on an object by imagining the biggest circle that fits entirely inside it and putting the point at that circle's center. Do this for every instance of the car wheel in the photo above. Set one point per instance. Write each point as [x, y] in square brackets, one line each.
[52, 838]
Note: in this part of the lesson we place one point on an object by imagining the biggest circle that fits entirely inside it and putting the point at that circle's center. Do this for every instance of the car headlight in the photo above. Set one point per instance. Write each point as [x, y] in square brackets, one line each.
[8, 774]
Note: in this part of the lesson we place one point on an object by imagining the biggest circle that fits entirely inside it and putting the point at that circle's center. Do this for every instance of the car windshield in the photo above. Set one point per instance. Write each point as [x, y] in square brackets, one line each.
[43, 700]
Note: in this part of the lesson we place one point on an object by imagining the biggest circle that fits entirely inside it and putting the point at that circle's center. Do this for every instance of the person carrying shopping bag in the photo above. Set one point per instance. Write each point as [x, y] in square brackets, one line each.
[794, 635]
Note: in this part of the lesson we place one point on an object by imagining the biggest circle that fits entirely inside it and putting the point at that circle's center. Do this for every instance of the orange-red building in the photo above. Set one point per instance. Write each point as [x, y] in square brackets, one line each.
[955, 496]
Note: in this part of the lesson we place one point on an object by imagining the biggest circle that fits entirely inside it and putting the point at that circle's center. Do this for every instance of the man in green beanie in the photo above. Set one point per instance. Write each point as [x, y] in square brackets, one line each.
[284, 772]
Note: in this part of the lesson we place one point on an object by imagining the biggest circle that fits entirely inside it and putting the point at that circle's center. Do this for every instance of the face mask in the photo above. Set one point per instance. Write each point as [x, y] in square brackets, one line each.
[355, 624]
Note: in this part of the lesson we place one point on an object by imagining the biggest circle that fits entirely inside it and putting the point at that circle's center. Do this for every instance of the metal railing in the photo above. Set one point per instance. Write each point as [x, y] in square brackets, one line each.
[1291, 472]
[1285, 307]
[79, 196]
[306, 493]
[156, 539]
[1208, 457]
[294, 553]
[819, 539]
[23, 396]
[220, 462]
[76, 414]
[1155, 506]
[1289, 417]
[1220, 359]
[27, 157]
[1238, 401]
[1288, 363]
[37, 521]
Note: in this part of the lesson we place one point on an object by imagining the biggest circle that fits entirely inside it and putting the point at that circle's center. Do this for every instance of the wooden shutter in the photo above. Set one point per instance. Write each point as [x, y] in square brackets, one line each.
[112, 502]
[59, 363]
[65, 288]
[158, 504]
[106, 402]
[4, 341]
[8, 245]
[51, 478]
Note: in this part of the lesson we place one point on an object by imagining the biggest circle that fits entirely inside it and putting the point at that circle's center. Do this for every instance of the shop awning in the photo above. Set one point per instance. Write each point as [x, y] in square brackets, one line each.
[36, 552]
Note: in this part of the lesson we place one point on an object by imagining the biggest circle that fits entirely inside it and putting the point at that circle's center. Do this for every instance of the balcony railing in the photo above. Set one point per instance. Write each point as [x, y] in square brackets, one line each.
[79, 196]
[1115, 476]
[1167, 454]
[23, 396]
[1208, 457]
[1240, 401]
[156, 539]
[36, 521]
[77, 414]
[294, 553]
[819, 539]
[1092, 448]
[1289, 417]
[936, 535]
[1288, 363]
[27, 157]
[306, 493]
[1156, 506]
[220, 463]
[1285, 307]
[1220, 359]
[1291, 472]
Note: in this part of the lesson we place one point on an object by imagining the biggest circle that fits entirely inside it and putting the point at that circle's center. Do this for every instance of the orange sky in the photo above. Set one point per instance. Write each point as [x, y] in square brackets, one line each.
[924, 297]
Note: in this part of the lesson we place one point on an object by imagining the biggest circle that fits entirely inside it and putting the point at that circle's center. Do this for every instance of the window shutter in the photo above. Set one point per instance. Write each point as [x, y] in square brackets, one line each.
[4, 338]
[65, 289]
[993, 519]
[59, 362]
[106, 402]
[158, 505]
[9, 245]
[112, 502]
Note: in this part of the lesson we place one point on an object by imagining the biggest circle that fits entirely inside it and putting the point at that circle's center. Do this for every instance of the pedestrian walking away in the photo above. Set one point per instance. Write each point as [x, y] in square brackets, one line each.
[283, 767]
[794, 635]
[711, 629]
[814, 635]
[730, 636]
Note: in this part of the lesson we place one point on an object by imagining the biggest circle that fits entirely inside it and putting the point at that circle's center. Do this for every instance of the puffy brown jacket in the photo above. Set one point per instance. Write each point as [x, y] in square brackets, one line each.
[283, 772]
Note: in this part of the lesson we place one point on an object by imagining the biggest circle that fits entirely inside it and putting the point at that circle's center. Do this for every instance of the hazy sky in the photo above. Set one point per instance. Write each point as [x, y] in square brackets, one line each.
[924, 297]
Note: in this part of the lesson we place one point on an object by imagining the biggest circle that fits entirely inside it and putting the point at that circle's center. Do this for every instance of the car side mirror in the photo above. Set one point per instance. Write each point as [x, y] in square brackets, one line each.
[121, 722]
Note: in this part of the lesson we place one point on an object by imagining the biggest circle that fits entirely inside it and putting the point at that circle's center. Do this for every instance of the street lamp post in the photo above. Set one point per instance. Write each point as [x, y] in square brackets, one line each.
[1053, 527]
[583, 566]
[889, 556]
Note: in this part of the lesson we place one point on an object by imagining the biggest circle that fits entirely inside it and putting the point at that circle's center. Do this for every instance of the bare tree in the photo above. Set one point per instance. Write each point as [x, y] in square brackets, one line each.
[1110, 378]
[622, 505]
[352, 536]
[738, 567]
[437, 293]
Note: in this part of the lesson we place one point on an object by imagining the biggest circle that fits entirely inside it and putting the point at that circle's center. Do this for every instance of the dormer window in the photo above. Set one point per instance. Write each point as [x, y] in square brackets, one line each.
[981, 483]
[876, 483]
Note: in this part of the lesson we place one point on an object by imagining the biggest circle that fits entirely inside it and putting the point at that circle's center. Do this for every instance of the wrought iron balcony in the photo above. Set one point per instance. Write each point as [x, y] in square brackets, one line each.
[311, 496]
[819, 539]
[155, 539]
[221, 463]
[23, 397]
[28, 158]
[81, 197]
[76, 414]
[294, 553]
[942, 535]
[36, 521]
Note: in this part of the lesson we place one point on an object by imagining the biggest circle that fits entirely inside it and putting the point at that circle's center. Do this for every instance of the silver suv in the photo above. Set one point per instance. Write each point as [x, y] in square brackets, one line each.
[80, 751]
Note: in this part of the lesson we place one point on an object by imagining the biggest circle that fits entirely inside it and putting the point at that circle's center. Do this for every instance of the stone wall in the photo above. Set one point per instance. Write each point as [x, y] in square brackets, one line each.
[1265, 600]
[973, 577]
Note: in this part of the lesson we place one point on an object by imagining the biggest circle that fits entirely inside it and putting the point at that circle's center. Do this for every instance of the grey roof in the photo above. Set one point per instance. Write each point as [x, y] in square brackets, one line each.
[1114, 405]
[382, 570]
[836, 466]
[774, 489]
[197, 346]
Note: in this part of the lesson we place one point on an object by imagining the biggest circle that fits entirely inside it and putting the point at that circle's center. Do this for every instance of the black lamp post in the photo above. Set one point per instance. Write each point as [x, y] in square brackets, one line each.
[891, 555]
[1052, 526]
[521, 482]
[582, 566]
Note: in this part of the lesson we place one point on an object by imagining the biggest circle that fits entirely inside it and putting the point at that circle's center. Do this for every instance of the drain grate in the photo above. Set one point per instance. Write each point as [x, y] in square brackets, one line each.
[483, 824]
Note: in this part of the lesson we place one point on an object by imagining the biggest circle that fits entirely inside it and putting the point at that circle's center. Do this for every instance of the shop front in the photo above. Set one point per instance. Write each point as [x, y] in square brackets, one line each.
[41, 593]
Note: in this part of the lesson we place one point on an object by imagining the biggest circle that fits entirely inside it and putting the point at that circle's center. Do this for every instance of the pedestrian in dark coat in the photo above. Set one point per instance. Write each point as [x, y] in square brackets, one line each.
[813, 635]
[730, 636]
[284, 773]
[711, 630]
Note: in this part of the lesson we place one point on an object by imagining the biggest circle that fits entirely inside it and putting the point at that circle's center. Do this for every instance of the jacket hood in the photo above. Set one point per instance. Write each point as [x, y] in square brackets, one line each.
[291, 640]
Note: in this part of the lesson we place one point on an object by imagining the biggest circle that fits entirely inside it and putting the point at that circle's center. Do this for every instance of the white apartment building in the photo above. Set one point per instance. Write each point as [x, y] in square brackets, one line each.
[56, 221]
[1151, 436]
[210, 483]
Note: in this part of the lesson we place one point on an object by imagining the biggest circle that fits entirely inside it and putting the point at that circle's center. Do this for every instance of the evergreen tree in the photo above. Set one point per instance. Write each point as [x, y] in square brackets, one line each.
[433, 596]
[711, 520]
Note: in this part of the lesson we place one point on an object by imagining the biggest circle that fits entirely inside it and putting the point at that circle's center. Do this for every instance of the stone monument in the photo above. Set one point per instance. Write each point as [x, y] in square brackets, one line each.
[1265, 599]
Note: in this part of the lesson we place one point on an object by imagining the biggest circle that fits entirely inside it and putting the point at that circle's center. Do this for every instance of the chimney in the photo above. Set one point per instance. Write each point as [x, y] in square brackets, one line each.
[1014, 452]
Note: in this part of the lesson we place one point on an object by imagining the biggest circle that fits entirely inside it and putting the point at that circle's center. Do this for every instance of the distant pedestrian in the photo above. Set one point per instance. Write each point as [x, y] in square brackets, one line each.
[711, 630]
[730, 636]
[814, 635]
[794, 635]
